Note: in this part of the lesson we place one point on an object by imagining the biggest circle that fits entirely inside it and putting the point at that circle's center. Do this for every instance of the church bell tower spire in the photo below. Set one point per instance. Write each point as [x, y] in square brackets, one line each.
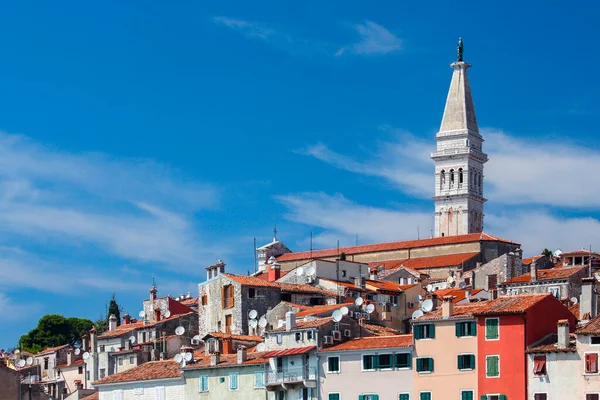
[459, 159]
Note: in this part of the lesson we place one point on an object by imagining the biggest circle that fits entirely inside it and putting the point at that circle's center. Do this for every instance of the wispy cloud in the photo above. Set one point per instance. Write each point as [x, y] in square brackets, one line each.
[16, 310]
[374, 39]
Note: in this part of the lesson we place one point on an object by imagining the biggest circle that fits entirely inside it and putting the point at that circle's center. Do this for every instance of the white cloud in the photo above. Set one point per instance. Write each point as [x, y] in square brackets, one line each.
[13, 311]
[135, 209]
[252, 29]
[374, 39]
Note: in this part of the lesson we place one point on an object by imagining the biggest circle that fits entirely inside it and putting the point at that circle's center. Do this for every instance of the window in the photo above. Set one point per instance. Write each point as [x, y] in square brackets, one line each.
[592, 396]
[540, 396]
[385, 361]
[131, 360]
[460, 176]
[402, 360]
[333, 365]
[306, 394]
[442, 179]
[595, 340]
[227, 299]
[159, 392]
[466, 328]
[118, 395]
[426, 331]
[425, 364]
[451, 177]
[80, 370]
[495, 397]
[309, 335]
[87, 375]
[259, 379]
[203, 383]
[233, 381]
[143, 337]
[102, 373]
[333, 396]
[466, 395]
[369, 363]
[252, 293]
[424, 395]
[204, 300]
[368, 397]
[492, 366]
[120, 360]
[491, 329]
[281, 395]
[403, 396]
[492, 282]
[46, 363]
[228, 322]
[591, 363]
[555, 290]
[279, 338]
[466, 361]
[298, 336]
[343, 273]
[539, 365]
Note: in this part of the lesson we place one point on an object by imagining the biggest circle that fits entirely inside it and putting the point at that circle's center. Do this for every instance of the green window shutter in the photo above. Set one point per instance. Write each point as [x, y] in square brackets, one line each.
[459, 329]
[502, 397]
[361, 397]
[365, 364]
[472, 361]
[467, 395]
[419, 364]
[483, 397]
[409, 360]
[375, 361]
[491, 328]
[473, 330]
[432, 331]
[334, 396]
[417, 332]
[430, 364]
[460, 362]
[375, 397]
[403, 396]
[425, 396]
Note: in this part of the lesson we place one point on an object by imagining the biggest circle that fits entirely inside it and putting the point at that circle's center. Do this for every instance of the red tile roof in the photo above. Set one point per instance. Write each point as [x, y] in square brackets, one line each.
[147, 371]
[202, 361]
[349, 285]
[51, 349]
[190, 302]
[575, 310]
[320, 309]
[458, 294]
[391, 246]
[286, 287]
[93, 396]
[384, 286]
[459, 311]
[450, 260]
[515, 304]
[314, 323]
[582, 252]
[374, 342]
[124, 329]
[547, 275]
[379, 330]
[289, 352]
[392, 264]
[591, 328]
[265, 276]
[243, 338]
[73, 364]
[529, 260]
[549, 345]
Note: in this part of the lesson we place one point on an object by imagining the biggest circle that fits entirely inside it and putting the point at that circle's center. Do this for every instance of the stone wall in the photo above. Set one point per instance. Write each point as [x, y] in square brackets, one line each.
[9, 383]
[504, 267]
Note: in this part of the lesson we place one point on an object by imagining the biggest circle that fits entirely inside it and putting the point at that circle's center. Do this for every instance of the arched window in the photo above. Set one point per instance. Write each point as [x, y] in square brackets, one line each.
[460, 177]
[470, 177]
[480, 181]
[442, 178]
[451, 178]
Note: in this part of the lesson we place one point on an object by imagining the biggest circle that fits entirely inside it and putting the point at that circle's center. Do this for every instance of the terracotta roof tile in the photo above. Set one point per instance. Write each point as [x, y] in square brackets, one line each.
[147, 371]
[93, 396]
[529, 260]
[457, 294]
[52, 349]
[373, 342]
[575, 310]
[124, 329]
[547, 275]
[391, 264]
[549, 345]
[379, 330]
[582, 252]
[450, 260]
[591, 328]
[349, 285]
[319, 309]
[73, 364]
[286, 287]
[202, 361]
[190, 302]
[313, 323]
[515, 304]
[391, 246]
[290, 351]
[246, 338]
[459, 311]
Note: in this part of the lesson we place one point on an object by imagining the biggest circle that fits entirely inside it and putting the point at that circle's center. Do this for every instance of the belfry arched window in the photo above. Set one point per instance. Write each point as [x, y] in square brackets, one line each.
[460, 177]
[451, 177]
[442, 178]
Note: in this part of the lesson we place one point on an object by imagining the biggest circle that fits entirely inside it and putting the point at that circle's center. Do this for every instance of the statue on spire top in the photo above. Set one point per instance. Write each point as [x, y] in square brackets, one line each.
[459, 50]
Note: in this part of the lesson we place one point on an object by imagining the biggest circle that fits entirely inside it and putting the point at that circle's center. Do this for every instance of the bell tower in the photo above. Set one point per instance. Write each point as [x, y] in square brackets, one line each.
[459, 160]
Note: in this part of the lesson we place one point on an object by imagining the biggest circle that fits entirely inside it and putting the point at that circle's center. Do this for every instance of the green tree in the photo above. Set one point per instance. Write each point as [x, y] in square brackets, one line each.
[113, 308]
[55, 330]
[343, 257]
[547, 253]
[101, 325]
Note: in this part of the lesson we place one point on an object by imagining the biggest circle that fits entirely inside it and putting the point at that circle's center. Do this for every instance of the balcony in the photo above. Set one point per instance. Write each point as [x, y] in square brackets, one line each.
[306, 376]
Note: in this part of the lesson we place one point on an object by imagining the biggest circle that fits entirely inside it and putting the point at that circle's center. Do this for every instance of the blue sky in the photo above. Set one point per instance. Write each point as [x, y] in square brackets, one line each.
[149, 139]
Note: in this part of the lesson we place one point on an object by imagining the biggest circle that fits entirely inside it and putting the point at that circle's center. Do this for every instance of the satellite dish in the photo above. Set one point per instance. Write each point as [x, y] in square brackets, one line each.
[450, 280]
[557, 253]
[344, 310]
[417, 314]
[462, 285]
[370, 308]
[167, 314]
[17, 351]
[86, 355]
[232, 327]
[253, 324]
[418, 298]
[311, 271]
[77, 351]
[359, 301]
[142, 314]
[430, 288]
[337, 316]
[132, 339]
[574, 300]
[178, 357]
[260, 347]
[29, 360]
[188, 356]
[253, 314]
[180, 330]
[176, 298]
[262, 322]
[299, 271]
[21, 363]
[427, 305]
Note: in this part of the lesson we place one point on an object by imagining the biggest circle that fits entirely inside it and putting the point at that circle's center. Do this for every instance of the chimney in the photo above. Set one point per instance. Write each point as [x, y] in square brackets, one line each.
[587, 308]
[373, 276]
[434, 299]
[220, 267]
[242, 356]
[492, 294]
[533, 271]
[227, 345]
[290, 320]
[126, 319]
[447, 307]
[153, 292]
[468, 295]
[274, 272]
[69, 357]
[563, 334]
[127, 344]
[112, 322]
[84, 343]
[92, 340]
[215, 359]
[209, 272]
[157, 314]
